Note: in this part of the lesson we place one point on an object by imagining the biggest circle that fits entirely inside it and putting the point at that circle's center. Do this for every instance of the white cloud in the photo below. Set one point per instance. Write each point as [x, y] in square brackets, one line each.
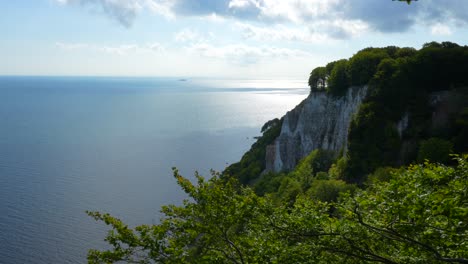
[340, 29]
[161, 7]
[71, 46]
[240, 3]
[213, 17]
[278, 33]
[297, 11]
[120, 49]
[155, 47]
[188, 35]
[123, 49]
[315, 32]
[441, 30]
[125, 11]
[243, 54]
[381, 16]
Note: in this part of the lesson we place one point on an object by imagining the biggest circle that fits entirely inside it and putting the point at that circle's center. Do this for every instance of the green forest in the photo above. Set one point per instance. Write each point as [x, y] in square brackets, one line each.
[389, 198]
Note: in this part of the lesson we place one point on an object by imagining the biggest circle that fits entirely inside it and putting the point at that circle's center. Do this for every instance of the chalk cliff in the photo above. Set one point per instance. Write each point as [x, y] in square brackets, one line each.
[320, 121]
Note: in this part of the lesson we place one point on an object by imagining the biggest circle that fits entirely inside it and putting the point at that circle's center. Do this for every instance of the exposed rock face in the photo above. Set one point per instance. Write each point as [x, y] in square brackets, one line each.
[445, 103]
[320, 121]
[402, 125]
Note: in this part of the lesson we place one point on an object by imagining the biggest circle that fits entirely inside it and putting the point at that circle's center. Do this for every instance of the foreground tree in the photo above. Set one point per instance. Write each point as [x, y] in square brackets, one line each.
[418, 216]
[220, 223]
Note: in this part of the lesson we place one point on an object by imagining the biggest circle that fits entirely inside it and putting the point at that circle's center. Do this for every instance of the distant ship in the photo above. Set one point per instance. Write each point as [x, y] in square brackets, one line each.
[182, 80]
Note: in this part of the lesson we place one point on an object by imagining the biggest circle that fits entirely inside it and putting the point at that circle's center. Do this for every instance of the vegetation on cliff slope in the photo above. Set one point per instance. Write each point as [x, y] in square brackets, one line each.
[401, 81]
[252, 162]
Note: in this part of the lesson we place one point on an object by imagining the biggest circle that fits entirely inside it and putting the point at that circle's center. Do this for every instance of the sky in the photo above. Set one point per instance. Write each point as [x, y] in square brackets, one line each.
[268, 39]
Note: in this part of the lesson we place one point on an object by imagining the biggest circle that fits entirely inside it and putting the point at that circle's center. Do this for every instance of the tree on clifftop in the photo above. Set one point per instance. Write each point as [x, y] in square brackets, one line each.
[338, 81]
[318, 79]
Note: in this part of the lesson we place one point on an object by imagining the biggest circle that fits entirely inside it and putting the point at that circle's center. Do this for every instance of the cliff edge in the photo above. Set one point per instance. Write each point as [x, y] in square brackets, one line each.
[320, 121]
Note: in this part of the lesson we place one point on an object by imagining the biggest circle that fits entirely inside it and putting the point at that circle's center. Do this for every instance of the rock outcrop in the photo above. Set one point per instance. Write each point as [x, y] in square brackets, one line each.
[320, 121]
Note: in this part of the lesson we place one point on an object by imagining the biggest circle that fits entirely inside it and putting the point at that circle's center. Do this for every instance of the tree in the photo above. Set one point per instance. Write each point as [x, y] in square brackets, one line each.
[318, 79]
[317, 161]
[338, 81]
[328, 190]
[373, 142]
[435, 150]
[269, 124]
[432, 44]
[217, 225]
[337, 169]
[252, 162]
[419, 216]
[405, 52]
[363, 65]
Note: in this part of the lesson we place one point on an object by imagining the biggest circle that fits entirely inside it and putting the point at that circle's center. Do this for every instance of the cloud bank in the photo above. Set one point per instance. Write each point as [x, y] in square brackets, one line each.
[123, 49]
[338, 19]
[241, 54]
[123, 11]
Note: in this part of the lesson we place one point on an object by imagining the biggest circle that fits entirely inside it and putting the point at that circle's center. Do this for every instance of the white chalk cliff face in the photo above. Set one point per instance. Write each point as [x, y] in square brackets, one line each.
[320, 121]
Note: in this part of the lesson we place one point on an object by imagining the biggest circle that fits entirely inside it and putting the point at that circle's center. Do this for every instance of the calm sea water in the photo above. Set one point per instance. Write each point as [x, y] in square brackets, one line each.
[73, 144]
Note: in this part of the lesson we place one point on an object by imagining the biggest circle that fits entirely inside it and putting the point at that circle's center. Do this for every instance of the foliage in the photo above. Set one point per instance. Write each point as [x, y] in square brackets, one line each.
[400, 86]
[252, 162]
[312, 214]
[337, 169]
[405, 52]
[216, 225]
[373, 142]
[460, 139]
[381, 174]
[435, 150]
[363, 65]
[418, 216]
[321, 175]
[286, 187]
[407, 1]
[338, 82]
[318, 160]
[400, 82]
[318, 79]
[270, 124]
[288, 191]
[268, 183]
[328, 190]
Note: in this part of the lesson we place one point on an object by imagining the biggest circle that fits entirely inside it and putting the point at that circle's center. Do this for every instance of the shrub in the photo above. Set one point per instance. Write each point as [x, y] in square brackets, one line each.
[328, 190]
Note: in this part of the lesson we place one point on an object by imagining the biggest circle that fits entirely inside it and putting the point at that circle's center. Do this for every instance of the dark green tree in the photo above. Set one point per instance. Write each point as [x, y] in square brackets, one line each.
[435, 150]
[363, 65]
[338, 82]
[318, 79]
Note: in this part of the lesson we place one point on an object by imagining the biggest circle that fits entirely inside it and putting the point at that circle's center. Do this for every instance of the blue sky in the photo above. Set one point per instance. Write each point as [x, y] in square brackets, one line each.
[272, 39]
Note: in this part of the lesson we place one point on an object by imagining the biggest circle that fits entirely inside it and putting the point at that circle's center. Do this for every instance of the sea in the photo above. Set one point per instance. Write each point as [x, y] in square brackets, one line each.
[71, 144]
